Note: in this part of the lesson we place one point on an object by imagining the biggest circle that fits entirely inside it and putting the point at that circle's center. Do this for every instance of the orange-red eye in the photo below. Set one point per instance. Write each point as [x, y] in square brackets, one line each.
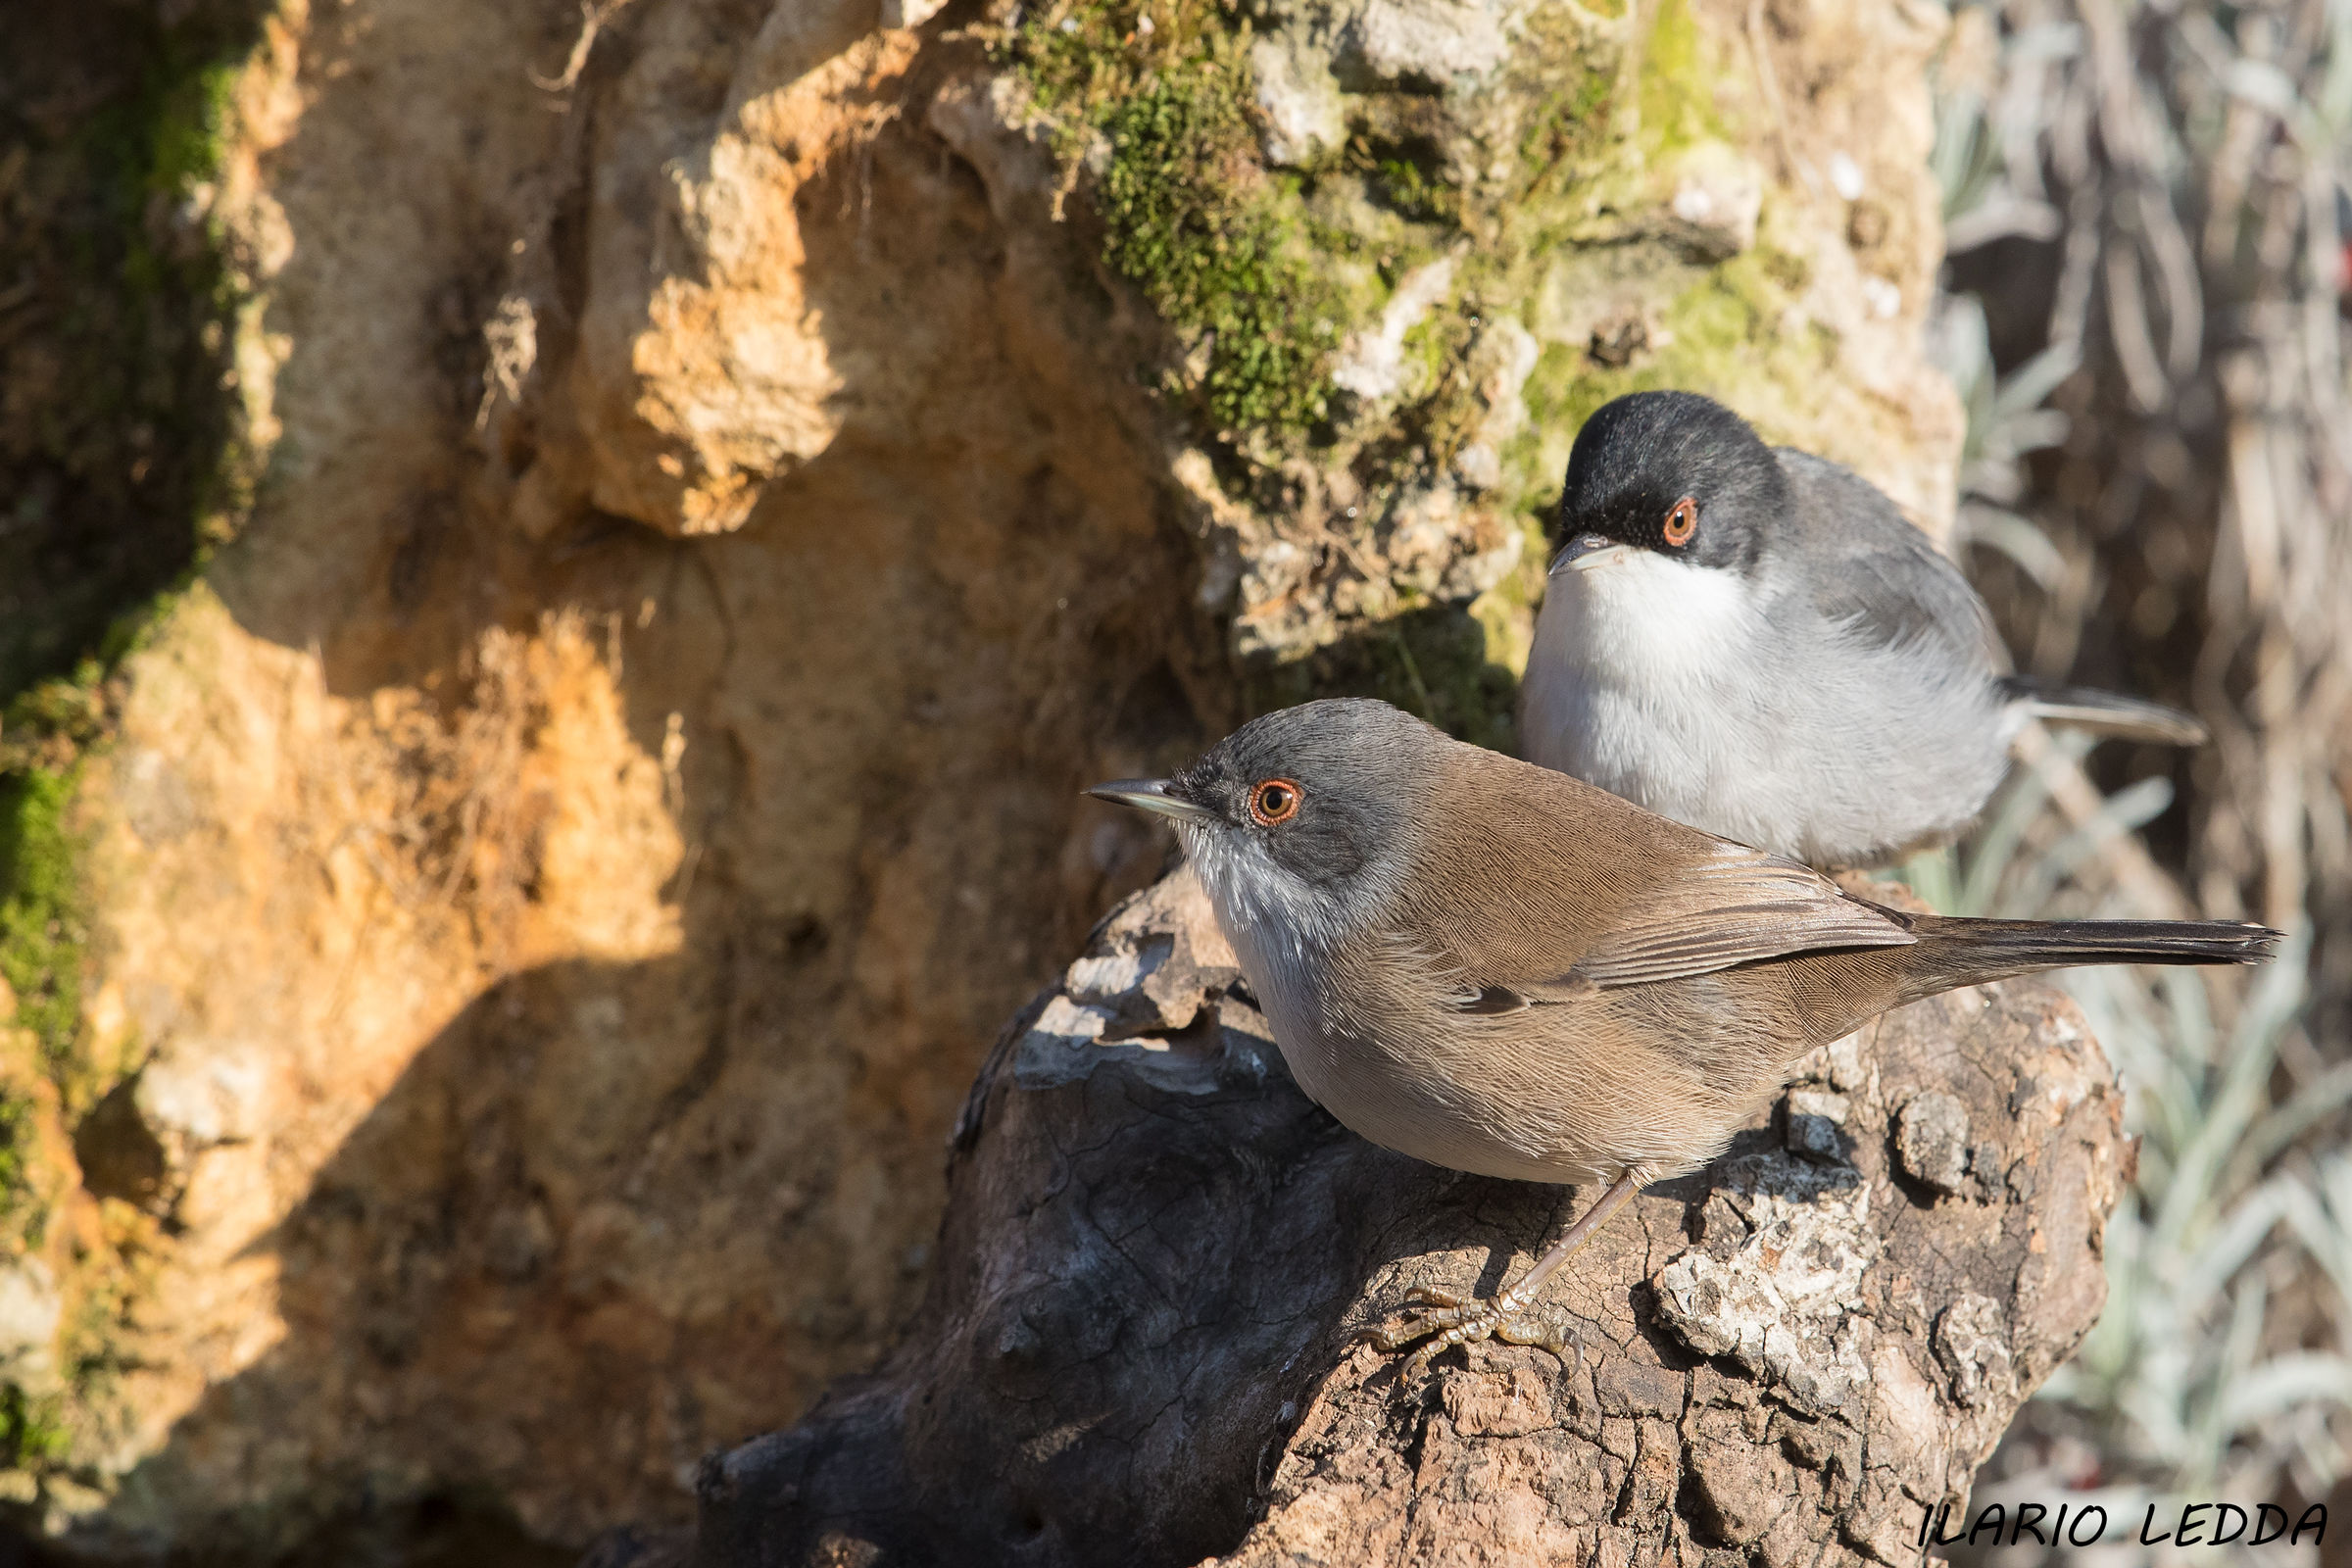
[1681, 523]
[1276, 799]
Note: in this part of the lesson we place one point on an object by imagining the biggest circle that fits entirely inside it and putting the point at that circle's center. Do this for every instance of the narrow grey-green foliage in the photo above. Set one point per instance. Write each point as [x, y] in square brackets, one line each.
[2192, 1379]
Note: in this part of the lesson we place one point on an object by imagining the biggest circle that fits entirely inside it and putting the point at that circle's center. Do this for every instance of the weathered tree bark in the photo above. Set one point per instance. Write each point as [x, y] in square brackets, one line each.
[1140, 1344]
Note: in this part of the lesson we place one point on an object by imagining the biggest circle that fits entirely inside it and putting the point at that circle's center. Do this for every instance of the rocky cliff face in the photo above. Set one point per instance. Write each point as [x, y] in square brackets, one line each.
[493, 992]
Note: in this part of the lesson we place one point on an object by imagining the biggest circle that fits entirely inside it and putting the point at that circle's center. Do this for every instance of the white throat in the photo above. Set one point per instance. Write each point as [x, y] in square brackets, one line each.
[1640, 620]
[1263, 906]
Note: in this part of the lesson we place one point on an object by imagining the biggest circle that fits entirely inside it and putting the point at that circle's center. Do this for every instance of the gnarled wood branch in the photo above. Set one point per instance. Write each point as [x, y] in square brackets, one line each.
[1140, 1344]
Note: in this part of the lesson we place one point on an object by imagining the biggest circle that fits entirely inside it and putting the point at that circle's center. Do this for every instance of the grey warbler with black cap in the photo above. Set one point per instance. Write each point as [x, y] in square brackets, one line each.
[1756, 642]
[1493, 967]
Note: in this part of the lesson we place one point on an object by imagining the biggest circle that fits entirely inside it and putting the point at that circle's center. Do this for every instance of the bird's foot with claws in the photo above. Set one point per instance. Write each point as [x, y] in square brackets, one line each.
[1445, 1320]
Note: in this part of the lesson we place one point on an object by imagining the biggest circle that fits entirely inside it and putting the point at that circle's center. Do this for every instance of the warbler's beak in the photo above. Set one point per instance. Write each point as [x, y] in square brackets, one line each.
[1585, 551]
[1152, 794]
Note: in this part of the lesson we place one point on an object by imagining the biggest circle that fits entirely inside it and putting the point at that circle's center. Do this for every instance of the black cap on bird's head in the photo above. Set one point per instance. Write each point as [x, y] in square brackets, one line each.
[1322, 788]
[1672, 472]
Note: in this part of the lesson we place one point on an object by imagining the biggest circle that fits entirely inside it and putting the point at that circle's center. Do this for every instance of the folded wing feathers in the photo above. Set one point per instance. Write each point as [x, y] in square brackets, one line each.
[1741, 907]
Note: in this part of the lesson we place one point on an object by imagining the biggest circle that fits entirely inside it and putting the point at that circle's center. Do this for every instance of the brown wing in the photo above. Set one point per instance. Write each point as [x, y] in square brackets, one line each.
[1562, 887]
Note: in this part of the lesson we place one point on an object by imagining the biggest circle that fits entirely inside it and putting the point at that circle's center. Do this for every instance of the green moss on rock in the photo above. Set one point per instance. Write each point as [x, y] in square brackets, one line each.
[41, 916]
[1438, 662]
[1547, 188]
[1217, 262]
[32, 1430]
[1732, 331]
[1677, 83]
[132, 469]
[1219, 247]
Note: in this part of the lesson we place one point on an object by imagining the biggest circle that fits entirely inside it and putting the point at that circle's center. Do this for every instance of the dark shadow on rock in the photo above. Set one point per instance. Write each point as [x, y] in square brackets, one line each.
[1193, 1231]
[1433, 661]
[115, 442]
[473, 1290]
[454, 1528]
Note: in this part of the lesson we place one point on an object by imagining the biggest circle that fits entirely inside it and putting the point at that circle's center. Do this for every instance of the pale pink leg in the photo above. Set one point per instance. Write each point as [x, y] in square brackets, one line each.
[1507, 1317]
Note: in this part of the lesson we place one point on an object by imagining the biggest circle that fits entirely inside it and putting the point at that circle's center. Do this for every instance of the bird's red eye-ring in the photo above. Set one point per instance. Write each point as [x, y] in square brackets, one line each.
[1275, 800]
[1681, 523]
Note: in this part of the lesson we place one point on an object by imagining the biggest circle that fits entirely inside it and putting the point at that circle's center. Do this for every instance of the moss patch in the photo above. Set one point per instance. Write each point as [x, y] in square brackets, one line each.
[32, 1430]
[1730, 334]
[41, 929]
[1545, 186]
[129, 469]
[122, 467]
[1677, 95]
[1216, 261]
[1158, 96]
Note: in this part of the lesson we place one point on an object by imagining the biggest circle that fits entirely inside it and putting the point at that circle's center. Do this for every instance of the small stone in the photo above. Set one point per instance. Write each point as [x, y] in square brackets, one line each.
[1819, 1102]
[1434, 41]
[1813, 1137]
[1815, 1120]
[1846, 177]
[1845, 1055]
[1988, 1169]
[1808, 1442]
[1932, 1139]
[1299, 107]
[1479, 466]
[30, 1309]
[1615, 344]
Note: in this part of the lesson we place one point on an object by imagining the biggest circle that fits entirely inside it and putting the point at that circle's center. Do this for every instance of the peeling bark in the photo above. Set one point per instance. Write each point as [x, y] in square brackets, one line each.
[1140, 1344]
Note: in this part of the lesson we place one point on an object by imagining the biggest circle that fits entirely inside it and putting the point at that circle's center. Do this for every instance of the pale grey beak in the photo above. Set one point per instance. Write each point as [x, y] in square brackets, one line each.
[1585, 551]
[1152, 794]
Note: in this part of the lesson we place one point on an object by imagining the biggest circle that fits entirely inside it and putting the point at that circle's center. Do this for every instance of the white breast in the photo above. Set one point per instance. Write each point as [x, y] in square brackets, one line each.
[1687, 690]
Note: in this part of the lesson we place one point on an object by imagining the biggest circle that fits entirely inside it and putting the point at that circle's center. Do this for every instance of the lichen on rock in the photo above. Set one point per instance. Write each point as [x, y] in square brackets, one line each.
[1779, 1304]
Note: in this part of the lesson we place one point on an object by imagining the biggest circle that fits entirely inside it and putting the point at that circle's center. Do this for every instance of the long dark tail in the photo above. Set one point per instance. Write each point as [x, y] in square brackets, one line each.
[1954, 952]
[2105, 713]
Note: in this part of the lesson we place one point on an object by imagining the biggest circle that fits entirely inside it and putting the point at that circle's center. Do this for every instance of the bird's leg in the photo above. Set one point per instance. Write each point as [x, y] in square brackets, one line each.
[1446, 1320]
